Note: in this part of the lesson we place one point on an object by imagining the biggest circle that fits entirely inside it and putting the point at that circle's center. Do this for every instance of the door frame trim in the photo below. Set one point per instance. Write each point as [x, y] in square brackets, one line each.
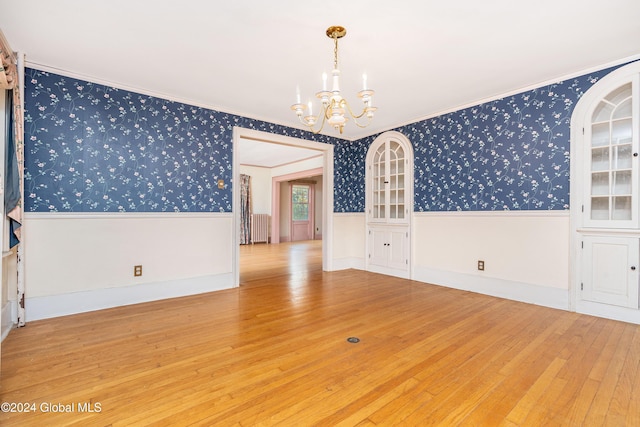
[275, 197]
[327, 191]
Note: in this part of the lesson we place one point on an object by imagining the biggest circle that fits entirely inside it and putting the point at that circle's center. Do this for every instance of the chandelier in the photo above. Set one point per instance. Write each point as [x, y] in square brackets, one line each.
[333, 106]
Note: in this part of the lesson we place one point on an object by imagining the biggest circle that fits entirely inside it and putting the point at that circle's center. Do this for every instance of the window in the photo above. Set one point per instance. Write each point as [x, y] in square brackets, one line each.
[300, 202]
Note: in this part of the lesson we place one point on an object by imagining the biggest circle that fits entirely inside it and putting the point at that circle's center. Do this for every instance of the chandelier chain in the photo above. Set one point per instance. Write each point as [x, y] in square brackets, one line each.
[335, 51]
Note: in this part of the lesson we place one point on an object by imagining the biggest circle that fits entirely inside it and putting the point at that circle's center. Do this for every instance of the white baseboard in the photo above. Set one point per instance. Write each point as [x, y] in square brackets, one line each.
[7, 320]
[612, 312]
[347, 263]
[517, 291]
[404, 274]
[79, 302]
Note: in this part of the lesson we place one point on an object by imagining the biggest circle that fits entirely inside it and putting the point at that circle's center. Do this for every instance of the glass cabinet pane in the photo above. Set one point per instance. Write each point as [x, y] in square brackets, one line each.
[622, 156]
[600, 208]
[611, 154]
[603, 112]
[600, 183]
[600, 135]
[600, 159]
[622, 183]
[621, 131]
[624, 110]
[622, 208]
[620, 95]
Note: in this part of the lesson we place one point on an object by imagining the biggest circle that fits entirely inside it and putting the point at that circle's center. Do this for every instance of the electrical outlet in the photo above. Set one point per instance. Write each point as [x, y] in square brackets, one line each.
[137, 270]
[480, 265]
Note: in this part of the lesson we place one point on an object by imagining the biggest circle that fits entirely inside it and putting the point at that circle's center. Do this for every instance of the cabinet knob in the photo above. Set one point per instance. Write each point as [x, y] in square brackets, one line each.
[635, 154]
[633, 267]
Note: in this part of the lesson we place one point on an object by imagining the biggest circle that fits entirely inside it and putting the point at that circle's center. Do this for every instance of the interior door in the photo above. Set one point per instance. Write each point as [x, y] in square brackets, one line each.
[301, 212]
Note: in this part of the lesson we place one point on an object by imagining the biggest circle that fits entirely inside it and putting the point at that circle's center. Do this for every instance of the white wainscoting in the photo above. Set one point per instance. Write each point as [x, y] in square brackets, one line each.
[83, 262]
[349, 237]
[97, 299]
[7, 318]
[526, 253]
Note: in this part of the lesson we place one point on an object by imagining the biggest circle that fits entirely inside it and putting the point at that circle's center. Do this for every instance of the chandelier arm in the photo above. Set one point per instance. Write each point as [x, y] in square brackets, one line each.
[354, 116]
[324, 119]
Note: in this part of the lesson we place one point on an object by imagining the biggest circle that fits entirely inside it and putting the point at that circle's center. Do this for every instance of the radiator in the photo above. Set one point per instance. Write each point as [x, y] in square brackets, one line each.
[260, 228]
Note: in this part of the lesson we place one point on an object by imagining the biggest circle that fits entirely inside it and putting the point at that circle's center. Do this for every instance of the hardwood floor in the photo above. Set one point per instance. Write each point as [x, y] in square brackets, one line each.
[275, 352]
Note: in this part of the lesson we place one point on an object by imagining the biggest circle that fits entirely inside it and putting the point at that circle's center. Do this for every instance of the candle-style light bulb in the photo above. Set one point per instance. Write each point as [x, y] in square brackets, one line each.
[364, 82]
[324, 82]
[310, 109]
[297, 94]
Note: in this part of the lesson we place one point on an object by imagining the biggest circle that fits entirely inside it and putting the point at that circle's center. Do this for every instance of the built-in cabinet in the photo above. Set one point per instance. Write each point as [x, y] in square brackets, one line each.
[606, 182]
[389, 197]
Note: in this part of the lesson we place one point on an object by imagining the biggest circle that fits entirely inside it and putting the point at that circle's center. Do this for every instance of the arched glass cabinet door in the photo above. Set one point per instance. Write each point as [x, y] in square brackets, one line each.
[611, 152]
[388, 182]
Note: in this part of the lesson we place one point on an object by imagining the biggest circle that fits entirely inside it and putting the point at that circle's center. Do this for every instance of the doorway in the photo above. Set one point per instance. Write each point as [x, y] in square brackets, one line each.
[325, 151]
[302, 212]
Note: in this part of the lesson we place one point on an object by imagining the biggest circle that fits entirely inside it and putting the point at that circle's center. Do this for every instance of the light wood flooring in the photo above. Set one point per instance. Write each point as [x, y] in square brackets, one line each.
[275, 352]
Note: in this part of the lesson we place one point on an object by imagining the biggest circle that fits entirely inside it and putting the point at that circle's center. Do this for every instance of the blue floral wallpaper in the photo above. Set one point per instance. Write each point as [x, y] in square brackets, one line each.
[508, 154]
[94, 148]
[349, 175]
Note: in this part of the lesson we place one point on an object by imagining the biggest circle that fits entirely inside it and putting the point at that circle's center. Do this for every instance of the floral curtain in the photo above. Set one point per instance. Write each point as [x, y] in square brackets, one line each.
[11, 72]
[245, 209]
[8, 72]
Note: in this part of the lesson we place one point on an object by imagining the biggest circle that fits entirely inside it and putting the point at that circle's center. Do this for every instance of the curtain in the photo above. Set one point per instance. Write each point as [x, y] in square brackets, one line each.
[12, 78]
[12, 179]
[8, 74]
[245, 209]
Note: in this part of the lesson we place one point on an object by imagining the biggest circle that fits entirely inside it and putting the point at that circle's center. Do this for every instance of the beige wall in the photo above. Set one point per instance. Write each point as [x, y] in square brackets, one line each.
[89, 255]
[260, 188]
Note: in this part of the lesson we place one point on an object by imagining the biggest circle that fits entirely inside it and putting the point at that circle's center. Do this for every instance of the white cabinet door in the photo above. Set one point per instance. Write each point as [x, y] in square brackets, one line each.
[610, 268]
[378, 253]
[389, 250]
[398, 250]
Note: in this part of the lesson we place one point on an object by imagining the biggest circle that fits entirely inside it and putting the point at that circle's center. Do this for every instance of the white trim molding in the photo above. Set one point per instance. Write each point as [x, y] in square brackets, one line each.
[327, 190]
[494, 214]
[124, 215]
[516, 291]
[45, 307]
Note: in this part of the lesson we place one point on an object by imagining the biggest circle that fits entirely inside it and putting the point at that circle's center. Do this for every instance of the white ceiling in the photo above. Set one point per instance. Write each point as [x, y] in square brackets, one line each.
[256, 153]
[248, 56]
